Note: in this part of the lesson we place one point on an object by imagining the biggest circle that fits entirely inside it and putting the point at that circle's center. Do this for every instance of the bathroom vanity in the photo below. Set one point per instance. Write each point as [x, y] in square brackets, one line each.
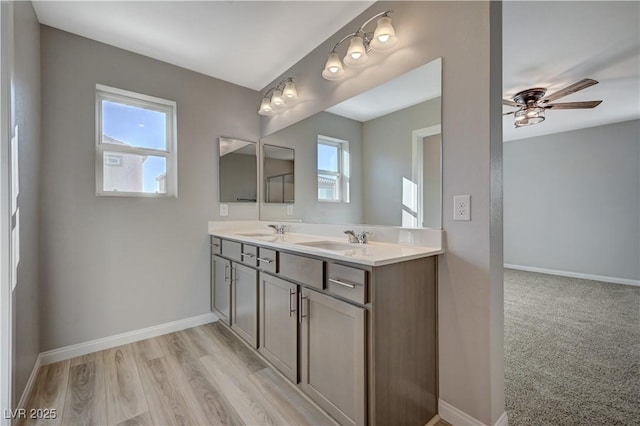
[352, 326]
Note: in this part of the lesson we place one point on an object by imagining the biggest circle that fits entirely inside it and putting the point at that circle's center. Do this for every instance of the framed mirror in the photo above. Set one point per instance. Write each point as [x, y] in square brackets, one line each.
[278, 166]
[374, 159]
[238, 171]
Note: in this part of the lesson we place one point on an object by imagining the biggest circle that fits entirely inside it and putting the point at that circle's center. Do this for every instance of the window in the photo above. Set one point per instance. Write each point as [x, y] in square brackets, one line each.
[136, 148]
[333, 169]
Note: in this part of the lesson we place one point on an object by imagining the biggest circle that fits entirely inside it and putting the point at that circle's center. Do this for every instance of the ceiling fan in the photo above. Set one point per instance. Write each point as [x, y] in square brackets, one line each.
[532, 103]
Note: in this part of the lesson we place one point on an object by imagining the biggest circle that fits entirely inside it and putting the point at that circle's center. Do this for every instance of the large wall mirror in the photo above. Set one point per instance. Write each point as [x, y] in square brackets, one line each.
[375, 159]
[278, 165]
[238, 166]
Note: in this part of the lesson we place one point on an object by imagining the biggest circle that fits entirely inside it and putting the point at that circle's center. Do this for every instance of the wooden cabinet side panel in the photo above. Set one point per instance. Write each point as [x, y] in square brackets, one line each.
[403, 343]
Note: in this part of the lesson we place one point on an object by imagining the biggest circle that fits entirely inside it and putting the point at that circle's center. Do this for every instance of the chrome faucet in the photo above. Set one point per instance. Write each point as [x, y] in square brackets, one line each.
[279, 229]
[358, 237]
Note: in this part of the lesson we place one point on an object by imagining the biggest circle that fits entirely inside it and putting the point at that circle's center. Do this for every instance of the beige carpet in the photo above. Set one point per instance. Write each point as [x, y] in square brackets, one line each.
[572, 351]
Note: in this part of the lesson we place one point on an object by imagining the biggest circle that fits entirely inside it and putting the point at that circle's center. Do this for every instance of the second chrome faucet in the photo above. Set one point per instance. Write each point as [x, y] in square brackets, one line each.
[358, 237]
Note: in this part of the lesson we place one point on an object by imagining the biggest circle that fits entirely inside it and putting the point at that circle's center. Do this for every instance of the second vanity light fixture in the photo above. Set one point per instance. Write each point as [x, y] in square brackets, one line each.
[278, 98]
[382, 39]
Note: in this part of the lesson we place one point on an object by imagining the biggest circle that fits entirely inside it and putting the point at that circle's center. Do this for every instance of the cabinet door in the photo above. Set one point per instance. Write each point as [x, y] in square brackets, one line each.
[221, 288]
[332, 356]
[279, 324]
[244, 302]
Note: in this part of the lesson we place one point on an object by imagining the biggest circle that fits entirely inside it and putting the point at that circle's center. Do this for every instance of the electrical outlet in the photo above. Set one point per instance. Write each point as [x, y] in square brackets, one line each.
[462, 207]
[289, 209]
[224, 209]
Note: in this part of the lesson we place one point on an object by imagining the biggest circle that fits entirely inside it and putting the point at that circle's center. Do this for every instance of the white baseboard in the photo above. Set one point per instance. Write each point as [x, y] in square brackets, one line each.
[433, 421]
[456, 417]
[591, 277]
[26, 393]
[80, 349]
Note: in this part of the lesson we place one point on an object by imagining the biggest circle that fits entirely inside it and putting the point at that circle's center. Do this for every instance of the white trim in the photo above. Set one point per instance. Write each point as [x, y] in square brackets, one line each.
[6, 119]
[417, 165]
[32, 380]
[570, 274]
[456, 417]
[72, 351]
[434, 421]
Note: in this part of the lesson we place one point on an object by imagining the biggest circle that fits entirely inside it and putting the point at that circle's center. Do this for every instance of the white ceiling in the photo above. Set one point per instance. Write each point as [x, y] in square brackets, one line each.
[419, 85]
[554, 44]
[250, 43]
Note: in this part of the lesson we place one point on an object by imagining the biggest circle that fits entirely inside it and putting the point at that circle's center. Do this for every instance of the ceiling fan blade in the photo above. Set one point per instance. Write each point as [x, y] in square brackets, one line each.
[573, 105]
[511, 103]
[509, 113]
[575, 87]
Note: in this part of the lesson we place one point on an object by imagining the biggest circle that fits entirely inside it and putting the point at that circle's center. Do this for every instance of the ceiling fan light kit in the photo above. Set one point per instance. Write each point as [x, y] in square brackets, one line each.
[361, 43]
[279, 98]
[532, 103]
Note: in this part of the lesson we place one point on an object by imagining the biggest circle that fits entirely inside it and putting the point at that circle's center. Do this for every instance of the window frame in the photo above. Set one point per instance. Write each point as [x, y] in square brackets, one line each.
[170, 154]
[342, 181]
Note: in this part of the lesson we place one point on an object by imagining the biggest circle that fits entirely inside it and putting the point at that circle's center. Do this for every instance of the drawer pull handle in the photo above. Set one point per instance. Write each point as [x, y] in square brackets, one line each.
[262, 259]
[342, 283]
[215, 245]
[247, 254]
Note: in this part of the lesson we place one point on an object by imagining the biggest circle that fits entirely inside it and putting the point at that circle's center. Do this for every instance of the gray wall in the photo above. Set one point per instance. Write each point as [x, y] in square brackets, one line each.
[571, 201]
[115, 264]
[27, 116]
[468, 37]
[387, 152]
[303, 137]
[432, 174]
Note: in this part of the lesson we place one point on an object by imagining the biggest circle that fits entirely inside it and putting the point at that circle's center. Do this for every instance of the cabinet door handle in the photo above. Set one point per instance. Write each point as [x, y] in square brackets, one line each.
[300, 305]
[226, 272]
[291, 309]
[342, 283]
[247, 254]
[215, 245]
[265, 260]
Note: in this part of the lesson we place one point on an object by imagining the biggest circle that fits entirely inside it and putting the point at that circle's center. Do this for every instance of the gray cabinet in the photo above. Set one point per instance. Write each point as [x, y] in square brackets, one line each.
[279, 324]
[221, 288]
[332, 356]
[244, 303]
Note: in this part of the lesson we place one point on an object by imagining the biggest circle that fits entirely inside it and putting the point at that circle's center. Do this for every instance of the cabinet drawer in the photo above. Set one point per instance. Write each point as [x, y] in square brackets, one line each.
[347, 282]
[267, 260]
[215, 245]
[249, 254]
[231, 250]
[302, 269]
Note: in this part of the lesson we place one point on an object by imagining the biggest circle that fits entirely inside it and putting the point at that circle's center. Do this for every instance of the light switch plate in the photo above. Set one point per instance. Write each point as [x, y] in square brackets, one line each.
[462, 207]
[224, 209]
[289, 209]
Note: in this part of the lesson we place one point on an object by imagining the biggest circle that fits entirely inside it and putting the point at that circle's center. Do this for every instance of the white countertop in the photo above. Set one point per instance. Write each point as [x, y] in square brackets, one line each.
[372, 254]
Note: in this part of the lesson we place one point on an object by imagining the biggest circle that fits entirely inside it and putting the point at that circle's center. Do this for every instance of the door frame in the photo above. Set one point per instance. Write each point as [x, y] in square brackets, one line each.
[417, 169]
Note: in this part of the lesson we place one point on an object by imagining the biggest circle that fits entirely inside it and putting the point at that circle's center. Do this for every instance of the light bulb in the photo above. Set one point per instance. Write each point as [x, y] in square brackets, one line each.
[289, 92]
[384, 37]
[277, 103]
[333, 69]
[265, 107]
[356, 54]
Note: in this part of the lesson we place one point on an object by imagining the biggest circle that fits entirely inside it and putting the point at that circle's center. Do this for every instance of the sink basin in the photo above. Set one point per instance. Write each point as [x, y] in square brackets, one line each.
[329, 245]
[256, 234]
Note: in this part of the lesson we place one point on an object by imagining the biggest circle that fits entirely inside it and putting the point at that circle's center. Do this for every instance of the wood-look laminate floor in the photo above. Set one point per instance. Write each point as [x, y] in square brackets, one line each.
[200, 376]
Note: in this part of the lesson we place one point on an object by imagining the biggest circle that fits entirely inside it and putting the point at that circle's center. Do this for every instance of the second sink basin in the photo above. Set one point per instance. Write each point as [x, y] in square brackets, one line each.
[329, 245]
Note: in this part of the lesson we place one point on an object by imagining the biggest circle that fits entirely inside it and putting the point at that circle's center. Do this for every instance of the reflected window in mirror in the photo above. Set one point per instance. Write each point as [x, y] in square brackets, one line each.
[238, 171]
[278, 171]
[333, 169]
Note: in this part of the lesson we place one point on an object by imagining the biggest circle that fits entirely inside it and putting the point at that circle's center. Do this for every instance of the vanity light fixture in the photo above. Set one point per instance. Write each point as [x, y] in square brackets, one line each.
[361, 43]
[278, 98]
